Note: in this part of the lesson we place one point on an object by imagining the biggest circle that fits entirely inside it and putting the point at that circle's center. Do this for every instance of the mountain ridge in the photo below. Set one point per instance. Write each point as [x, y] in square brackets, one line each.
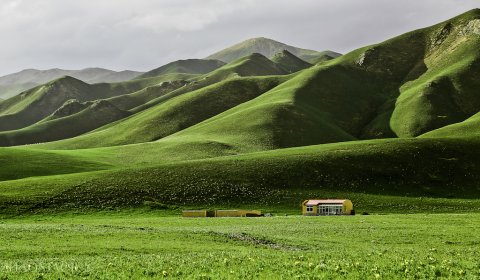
[266, 47]
[15, 83]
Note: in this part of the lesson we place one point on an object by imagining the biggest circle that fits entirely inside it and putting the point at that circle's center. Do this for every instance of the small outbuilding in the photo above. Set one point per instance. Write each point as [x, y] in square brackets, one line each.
[327, 207]
[197, 213]
[221, 213]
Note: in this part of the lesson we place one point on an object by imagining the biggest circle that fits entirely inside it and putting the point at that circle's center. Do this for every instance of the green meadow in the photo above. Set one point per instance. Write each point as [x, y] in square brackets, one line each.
[135, 244]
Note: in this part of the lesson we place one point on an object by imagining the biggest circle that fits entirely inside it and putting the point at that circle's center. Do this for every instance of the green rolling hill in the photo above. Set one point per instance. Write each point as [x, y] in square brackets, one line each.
[260, 131]
[178, 109]
[402, 87]
[251, 65]
[174, 114]
[156, 91]
[372, 173]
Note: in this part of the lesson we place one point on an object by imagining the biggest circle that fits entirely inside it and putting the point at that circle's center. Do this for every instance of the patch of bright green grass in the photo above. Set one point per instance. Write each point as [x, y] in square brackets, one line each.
[145, 246]
[19, 163]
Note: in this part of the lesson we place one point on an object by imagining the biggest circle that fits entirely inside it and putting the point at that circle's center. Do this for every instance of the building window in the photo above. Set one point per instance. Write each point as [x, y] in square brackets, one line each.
[329, 209]
[309, 208]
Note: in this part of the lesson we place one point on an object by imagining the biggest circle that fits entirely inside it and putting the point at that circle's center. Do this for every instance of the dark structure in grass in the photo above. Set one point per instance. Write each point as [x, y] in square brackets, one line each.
[221, 213]
[327, 207]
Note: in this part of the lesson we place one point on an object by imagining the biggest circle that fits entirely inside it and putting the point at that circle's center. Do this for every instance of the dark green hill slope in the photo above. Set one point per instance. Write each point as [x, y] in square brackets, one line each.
[289, 62]
[189, 66]
[266, 47]
[95, 114]
[468, 128]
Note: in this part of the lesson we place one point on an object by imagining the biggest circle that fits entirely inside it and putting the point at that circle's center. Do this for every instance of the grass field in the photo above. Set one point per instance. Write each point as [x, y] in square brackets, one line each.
[145, 245]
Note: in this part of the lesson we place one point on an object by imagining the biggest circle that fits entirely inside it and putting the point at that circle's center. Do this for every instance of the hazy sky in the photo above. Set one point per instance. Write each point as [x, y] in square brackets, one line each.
[144, 34]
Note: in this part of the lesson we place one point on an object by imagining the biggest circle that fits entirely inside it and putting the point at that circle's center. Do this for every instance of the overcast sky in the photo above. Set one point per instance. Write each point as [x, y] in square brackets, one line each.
[144, 34]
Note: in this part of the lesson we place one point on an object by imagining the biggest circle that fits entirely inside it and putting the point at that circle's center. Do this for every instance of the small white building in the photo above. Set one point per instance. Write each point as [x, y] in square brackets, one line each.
[327, 207]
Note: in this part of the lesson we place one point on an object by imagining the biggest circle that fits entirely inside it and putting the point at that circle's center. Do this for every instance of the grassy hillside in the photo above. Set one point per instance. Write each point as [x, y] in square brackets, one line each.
[21, 163]
[94, 115]
[266, 47]
[175, 113]
[147, 97]
[289, 62]
[189, 66]
[251, 65]
[372, 173]
[468, 128]
[445, 92]
[397, 88]
[402, 87]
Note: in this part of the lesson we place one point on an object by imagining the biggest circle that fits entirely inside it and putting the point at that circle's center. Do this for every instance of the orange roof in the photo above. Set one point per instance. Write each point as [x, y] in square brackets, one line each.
[324, 201]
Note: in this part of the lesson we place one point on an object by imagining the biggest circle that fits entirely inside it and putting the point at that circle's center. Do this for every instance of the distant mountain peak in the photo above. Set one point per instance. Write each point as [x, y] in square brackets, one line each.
[15, 83]
[265, 46]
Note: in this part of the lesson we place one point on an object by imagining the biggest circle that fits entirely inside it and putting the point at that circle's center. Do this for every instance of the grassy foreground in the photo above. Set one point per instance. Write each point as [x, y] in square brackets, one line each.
[143, 245]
